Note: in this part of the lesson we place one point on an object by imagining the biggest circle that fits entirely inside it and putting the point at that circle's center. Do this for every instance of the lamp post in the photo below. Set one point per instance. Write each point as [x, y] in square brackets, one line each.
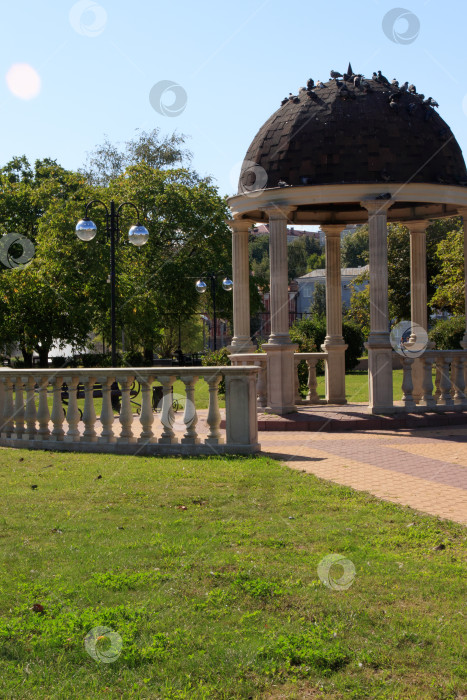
[201, 287]
[137, 235]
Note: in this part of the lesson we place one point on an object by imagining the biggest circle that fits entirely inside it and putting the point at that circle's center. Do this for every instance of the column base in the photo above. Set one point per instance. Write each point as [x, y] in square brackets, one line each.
[241, 345]
[380, 395]
[335, 370]
[281, 377]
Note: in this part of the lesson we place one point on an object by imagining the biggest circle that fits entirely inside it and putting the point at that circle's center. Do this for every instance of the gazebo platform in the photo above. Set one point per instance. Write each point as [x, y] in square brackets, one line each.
[337, 418]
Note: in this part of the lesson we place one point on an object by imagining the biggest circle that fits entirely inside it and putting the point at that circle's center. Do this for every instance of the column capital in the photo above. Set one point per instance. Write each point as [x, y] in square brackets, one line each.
[416, 226]
[332, 229]
[240, 225]
[278, 211]
[377, 206]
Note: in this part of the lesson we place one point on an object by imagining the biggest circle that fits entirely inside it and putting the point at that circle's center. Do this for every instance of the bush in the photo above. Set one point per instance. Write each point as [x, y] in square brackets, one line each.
[310, 333]
[448, 333]
[219, 358]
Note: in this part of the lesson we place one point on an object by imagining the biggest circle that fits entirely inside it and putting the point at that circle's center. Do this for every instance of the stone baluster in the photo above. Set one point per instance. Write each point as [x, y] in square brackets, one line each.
[445, 398]
[190, 417]
[214, 417]
[262, 383]
[89, 412]
[58, 415]
[43, 413]
[407, 383]
[312, 381]
[298, 398]
[30, 413]
[437, 380]
[107, 414]
[427, 383]
[147, 416]
[19, 409]
[7, 425]
[458, 381]
[72, 414]
[167, 416]
[126, 413]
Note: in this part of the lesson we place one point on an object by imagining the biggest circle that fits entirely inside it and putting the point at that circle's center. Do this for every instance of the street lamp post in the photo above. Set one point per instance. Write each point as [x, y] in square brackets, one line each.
[137, 235]
[201, 287]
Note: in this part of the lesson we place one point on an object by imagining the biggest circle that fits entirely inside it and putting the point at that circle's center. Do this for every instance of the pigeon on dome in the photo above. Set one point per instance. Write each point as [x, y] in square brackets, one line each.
[382, 78]
[310, 83]
[335, 74]
[413, 89]
[394, 83]
[405, 86]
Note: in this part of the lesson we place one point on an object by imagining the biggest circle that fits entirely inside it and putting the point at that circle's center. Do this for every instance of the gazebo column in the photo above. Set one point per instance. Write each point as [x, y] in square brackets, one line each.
[379, 347]
[463, 213]
[334, 344]
[241, 341]
[418, 294]
[279, 348]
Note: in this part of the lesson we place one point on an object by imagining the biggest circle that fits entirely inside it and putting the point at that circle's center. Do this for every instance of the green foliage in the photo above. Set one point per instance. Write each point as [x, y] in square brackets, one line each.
[448, 333]
[304, 654]
[107, 161]
[217, 358]
[449, 294]
[316, 261]
[359, 310]
[318, 304]
[354, 249]
[303, 254]
[311, 332]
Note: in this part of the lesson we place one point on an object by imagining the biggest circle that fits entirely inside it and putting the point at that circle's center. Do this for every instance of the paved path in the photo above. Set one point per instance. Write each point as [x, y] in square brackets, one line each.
[424, 468]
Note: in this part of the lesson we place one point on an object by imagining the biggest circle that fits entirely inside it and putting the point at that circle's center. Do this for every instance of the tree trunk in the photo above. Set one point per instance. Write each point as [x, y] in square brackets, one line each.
[27, 356]
[43, 357]
[148, 356]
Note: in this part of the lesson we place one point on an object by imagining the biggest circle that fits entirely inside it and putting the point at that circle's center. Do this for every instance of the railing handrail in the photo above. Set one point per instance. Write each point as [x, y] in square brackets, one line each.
[117, 371]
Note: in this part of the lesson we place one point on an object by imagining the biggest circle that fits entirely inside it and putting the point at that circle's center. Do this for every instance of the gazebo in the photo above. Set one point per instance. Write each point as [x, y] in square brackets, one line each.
[348, 151]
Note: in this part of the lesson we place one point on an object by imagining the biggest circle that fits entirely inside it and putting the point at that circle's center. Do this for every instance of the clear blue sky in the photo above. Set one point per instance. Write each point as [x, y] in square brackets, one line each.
[236, 61]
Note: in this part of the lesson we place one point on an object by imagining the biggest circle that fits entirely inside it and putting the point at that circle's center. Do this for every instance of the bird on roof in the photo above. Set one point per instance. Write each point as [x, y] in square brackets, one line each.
[366, 85]
[412, 89]
[357, 80]
[375, 76]
[411, 108]
[394, 83]
[319, 84]
[393, 103]
[404, 87]
[430, 101]
[382, 78]
[284, 101]
[336, 74]
[310, 83]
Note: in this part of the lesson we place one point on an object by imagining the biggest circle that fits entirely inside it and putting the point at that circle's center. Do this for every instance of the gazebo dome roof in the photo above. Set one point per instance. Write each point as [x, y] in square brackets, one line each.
[347, 133]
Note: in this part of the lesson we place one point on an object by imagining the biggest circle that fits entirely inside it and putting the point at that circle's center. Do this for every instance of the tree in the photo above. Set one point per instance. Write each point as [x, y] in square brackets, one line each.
[109, 160]
[45, 301]
[449, 281]
[354, 251]
[318, 304]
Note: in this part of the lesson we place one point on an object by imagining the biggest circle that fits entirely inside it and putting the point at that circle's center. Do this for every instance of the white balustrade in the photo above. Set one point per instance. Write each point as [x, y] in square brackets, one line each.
[448, 392]
[29, 422]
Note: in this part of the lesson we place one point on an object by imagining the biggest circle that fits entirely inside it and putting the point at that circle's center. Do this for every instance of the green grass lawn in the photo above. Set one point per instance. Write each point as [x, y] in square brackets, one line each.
[207, 571]
[356, 386]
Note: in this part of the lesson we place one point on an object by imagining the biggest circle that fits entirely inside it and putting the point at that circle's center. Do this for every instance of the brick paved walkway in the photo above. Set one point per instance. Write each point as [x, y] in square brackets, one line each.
[425, 469]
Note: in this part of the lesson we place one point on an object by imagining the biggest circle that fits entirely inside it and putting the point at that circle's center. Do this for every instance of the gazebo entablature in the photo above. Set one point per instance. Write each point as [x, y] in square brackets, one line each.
[333, 207]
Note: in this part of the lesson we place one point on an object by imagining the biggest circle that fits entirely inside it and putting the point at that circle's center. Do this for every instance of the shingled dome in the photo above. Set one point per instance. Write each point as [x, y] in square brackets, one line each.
[353, 131]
